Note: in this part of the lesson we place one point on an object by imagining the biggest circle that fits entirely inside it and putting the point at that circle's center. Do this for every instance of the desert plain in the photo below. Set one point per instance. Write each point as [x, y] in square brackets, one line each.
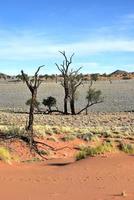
[85, 156]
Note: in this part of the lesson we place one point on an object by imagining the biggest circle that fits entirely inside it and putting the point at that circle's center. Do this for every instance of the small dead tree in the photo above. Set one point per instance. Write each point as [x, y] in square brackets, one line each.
[64, 69]
[72, 79]
[33, 86]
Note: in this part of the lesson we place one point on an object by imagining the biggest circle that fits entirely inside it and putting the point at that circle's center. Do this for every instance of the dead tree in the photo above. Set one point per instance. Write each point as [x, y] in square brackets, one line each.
[33, 86]
[64, 69]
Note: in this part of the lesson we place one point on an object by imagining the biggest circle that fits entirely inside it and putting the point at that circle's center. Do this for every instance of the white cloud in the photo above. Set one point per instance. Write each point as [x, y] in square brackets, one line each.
[92, 47]
[27, 45]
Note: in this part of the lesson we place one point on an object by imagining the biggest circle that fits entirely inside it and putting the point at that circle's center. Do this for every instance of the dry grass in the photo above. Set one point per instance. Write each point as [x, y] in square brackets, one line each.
[98, 131]
[93, 151]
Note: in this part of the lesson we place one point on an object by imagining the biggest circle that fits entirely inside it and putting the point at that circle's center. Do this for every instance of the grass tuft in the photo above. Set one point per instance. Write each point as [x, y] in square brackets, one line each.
[68, 137]
[93, 151]
[5, 155]
[127, 148]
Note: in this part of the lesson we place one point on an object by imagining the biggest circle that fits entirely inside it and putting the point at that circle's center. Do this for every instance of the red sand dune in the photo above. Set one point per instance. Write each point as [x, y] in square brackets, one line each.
[98, 178]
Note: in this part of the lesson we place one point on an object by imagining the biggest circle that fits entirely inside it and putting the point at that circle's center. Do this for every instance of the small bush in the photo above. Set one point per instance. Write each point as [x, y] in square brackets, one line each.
[56, 129]
[49, 102]
[14, 130]
[127, 148]
[88, 136]
[44, 130]
[68, 137]
[52, 138]
[36, 103]
[5, 155]
[107, 134]
[93, 95]
[44, 152]
[66, 129]
[93, 151]
[81, 155]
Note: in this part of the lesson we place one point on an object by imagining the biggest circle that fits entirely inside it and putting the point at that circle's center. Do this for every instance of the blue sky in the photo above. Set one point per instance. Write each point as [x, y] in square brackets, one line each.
[100, 32]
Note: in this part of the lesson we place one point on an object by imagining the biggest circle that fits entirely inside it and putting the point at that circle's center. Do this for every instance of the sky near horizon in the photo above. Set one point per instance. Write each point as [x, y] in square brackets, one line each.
[99, 32]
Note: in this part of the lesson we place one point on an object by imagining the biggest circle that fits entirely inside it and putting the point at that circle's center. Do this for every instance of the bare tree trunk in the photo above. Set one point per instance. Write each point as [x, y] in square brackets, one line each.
[31, 117]
[33, 86]
[72, 106]
[66, 97]
[65, 106]
[64, 69]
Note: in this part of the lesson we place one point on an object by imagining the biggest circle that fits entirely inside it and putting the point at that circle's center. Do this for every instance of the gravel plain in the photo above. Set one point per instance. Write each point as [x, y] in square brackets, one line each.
[118, 96]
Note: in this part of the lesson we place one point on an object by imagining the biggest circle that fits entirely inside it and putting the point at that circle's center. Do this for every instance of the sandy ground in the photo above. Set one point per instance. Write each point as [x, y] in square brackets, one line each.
[98, 178]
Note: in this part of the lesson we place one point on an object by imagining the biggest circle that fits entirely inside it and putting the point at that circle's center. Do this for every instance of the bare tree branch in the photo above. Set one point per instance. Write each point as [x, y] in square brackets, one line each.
[88, 105]
[36, 84]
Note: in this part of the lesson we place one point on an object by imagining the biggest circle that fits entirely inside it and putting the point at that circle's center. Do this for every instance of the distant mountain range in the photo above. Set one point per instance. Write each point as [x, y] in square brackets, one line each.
[118, 74]
[121, 74]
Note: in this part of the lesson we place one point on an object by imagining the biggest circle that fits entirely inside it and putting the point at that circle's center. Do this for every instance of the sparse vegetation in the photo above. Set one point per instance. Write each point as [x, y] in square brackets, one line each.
[93, 151]
[93, 97]
[68, 137]
[49, 102]
[5, 155]
[38, 136]
[127, 148]
[36, 103]
[14, 130]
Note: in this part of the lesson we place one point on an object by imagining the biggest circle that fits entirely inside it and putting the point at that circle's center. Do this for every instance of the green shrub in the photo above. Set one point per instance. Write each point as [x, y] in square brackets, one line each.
[81, 155]
[5, 155]
[93, 151]
[107, 134]
[88, 136]
[68, 137]
[36, 103]
[14, 130]
[44, 152]
[127, 148]
[49, 102]
[93, 95]
[52, 138]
